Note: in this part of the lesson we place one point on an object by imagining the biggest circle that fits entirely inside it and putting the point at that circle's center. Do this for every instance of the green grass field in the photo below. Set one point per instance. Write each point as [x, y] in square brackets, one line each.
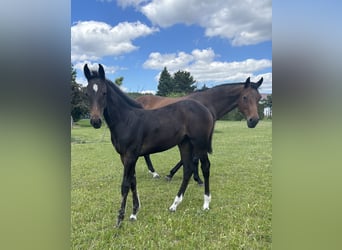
[241, 189]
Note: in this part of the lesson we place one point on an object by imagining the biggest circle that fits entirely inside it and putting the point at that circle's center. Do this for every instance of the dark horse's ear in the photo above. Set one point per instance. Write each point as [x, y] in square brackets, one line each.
[259, 82]
[86, 71]
[101, 72]
[247, 82]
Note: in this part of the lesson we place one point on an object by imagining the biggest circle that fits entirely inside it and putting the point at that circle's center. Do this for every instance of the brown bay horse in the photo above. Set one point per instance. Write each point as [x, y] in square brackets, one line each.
[136, 132]
[219, 100]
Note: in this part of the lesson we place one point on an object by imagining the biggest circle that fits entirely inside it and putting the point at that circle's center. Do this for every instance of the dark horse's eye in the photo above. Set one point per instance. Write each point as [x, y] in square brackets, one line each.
[244, 98]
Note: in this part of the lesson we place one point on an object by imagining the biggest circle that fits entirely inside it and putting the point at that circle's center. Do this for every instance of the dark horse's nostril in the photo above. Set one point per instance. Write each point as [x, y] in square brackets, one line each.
[96, 123]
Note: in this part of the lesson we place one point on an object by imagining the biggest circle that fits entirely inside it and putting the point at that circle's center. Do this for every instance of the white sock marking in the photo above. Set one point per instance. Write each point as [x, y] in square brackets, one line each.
[155, 174]
[133, 217]
[176, 202]
[207, 200]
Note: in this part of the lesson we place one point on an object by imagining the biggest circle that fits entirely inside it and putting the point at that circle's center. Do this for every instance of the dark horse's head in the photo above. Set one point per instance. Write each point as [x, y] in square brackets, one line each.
[96, 92]
[248, 102]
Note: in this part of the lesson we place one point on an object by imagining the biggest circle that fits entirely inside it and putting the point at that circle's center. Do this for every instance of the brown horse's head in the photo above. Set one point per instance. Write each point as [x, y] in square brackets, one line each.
[248, 102]
[96, 92]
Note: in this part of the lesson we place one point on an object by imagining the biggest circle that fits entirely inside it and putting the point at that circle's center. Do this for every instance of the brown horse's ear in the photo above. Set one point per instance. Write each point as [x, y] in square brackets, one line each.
[259, 82]
[101, 72]
[86, 71]
[247, 82]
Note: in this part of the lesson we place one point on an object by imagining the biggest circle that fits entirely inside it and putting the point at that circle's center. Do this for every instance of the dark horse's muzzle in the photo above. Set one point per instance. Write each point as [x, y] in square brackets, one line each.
[96, 122]
[252, 122]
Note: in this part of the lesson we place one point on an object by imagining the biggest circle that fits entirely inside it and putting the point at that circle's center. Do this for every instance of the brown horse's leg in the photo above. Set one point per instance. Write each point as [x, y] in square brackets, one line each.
[186, 155]
[205, 165]
[150, 166]
[174, 170]
[196, 176]
[128, 177]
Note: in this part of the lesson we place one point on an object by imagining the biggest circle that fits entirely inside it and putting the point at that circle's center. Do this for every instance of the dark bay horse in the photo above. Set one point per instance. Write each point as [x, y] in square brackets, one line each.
[219, 100]
[137, 132]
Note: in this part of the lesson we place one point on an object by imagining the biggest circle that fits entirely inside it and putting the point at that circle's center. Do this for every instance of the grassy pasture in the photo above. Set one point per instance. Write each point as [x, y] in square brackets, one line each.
[241, 189]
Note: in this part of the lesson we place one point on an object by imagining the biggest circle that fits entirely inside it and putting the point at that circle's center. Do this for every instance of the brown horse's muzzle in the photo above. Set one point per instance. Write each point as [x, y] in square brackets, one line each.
[96, 122]
[252, 122]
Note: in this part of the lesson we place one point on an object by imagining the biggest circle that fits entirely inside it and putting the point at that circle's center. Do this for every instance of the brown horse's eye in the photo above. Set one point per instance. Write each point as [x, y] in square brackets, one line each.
[244, 98]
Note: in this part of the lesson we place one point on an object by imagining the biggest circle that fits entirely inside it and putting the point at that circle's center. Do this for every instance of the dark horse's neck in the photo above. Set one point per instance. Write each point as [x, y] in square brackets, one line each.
[220, 99]
[118, 106]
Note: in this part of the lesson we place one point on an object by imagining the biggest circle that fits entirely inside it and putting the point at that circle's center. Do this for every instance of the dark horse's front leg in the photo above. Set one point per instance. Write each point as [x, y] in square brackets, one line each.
[128, 182]
[150, 166]
[178, 166]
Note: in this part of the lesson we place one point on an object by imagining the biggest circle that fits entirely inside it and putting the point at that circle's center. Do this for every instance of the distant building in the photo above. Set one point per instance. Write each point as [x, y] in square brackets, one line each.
[267, 110]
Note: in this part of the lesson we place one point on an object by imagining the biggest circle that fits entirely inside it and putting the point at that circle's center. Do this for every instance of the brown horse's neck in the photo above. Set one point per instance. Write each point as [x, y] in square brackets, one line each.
[219, 100]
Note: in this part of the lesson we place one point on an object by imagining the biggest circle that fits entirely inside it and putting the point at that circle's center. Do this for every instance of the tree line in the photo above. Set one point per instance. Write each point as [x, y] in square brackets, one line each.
[179, 84]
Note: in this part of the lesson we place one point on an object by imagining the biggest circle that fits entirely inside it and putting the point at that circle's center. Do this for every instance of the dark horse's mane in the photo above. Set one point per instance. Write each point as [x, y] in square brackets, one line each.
[118, 91]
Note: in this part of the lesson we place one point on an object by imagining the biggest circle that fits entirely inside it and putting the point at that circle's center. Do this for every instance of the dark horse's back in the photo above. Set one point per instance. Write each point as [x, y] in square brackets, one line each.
[197, 125]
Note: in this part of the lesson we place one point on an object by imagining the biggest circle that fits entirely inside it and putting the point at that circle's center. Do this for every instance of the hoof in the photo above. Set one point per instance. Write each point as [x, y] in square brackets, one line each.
[199, 181]
[172, 209]
[207, 199]
[168, 178]
[155, 175]
[118, 224]
[133, 217]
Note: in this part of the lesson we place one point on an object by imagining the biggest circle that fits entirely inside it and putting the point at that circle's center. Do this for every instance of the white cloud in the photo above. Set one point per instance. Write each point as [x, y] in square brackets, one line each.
[127, 3]
[203, 67]
[243, 22]
[172, 61]
[91, 40]
[92, 66]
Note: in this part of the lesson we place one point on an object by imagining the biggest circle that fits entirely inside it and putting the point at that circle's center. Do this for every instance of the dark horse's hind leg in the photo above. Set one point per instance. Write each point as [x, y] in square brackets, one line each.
[205, 165]
[128, 181]
[178, 166]
[150, 166]
[186, 155]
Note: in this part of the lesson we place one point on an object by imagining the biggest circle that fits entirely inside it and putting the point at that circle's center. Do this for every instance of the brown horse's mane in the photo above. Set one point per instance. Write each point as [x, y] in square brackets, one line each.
[252, 84]
[218, 86]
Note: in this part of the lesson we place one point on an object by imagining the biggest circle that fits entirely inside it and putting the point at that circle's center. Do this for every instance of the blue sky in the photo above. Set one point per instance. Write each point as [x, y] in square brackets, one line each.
[217, 41]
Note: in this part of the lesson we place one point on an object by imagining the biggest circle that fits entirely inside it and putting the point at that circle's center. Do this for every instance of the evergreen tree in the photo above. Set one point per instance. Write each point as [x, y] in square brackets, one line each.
[180, 84]
[119, 81]
[204, 87]
[184, 82]
[165, 85]
[79, 102]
